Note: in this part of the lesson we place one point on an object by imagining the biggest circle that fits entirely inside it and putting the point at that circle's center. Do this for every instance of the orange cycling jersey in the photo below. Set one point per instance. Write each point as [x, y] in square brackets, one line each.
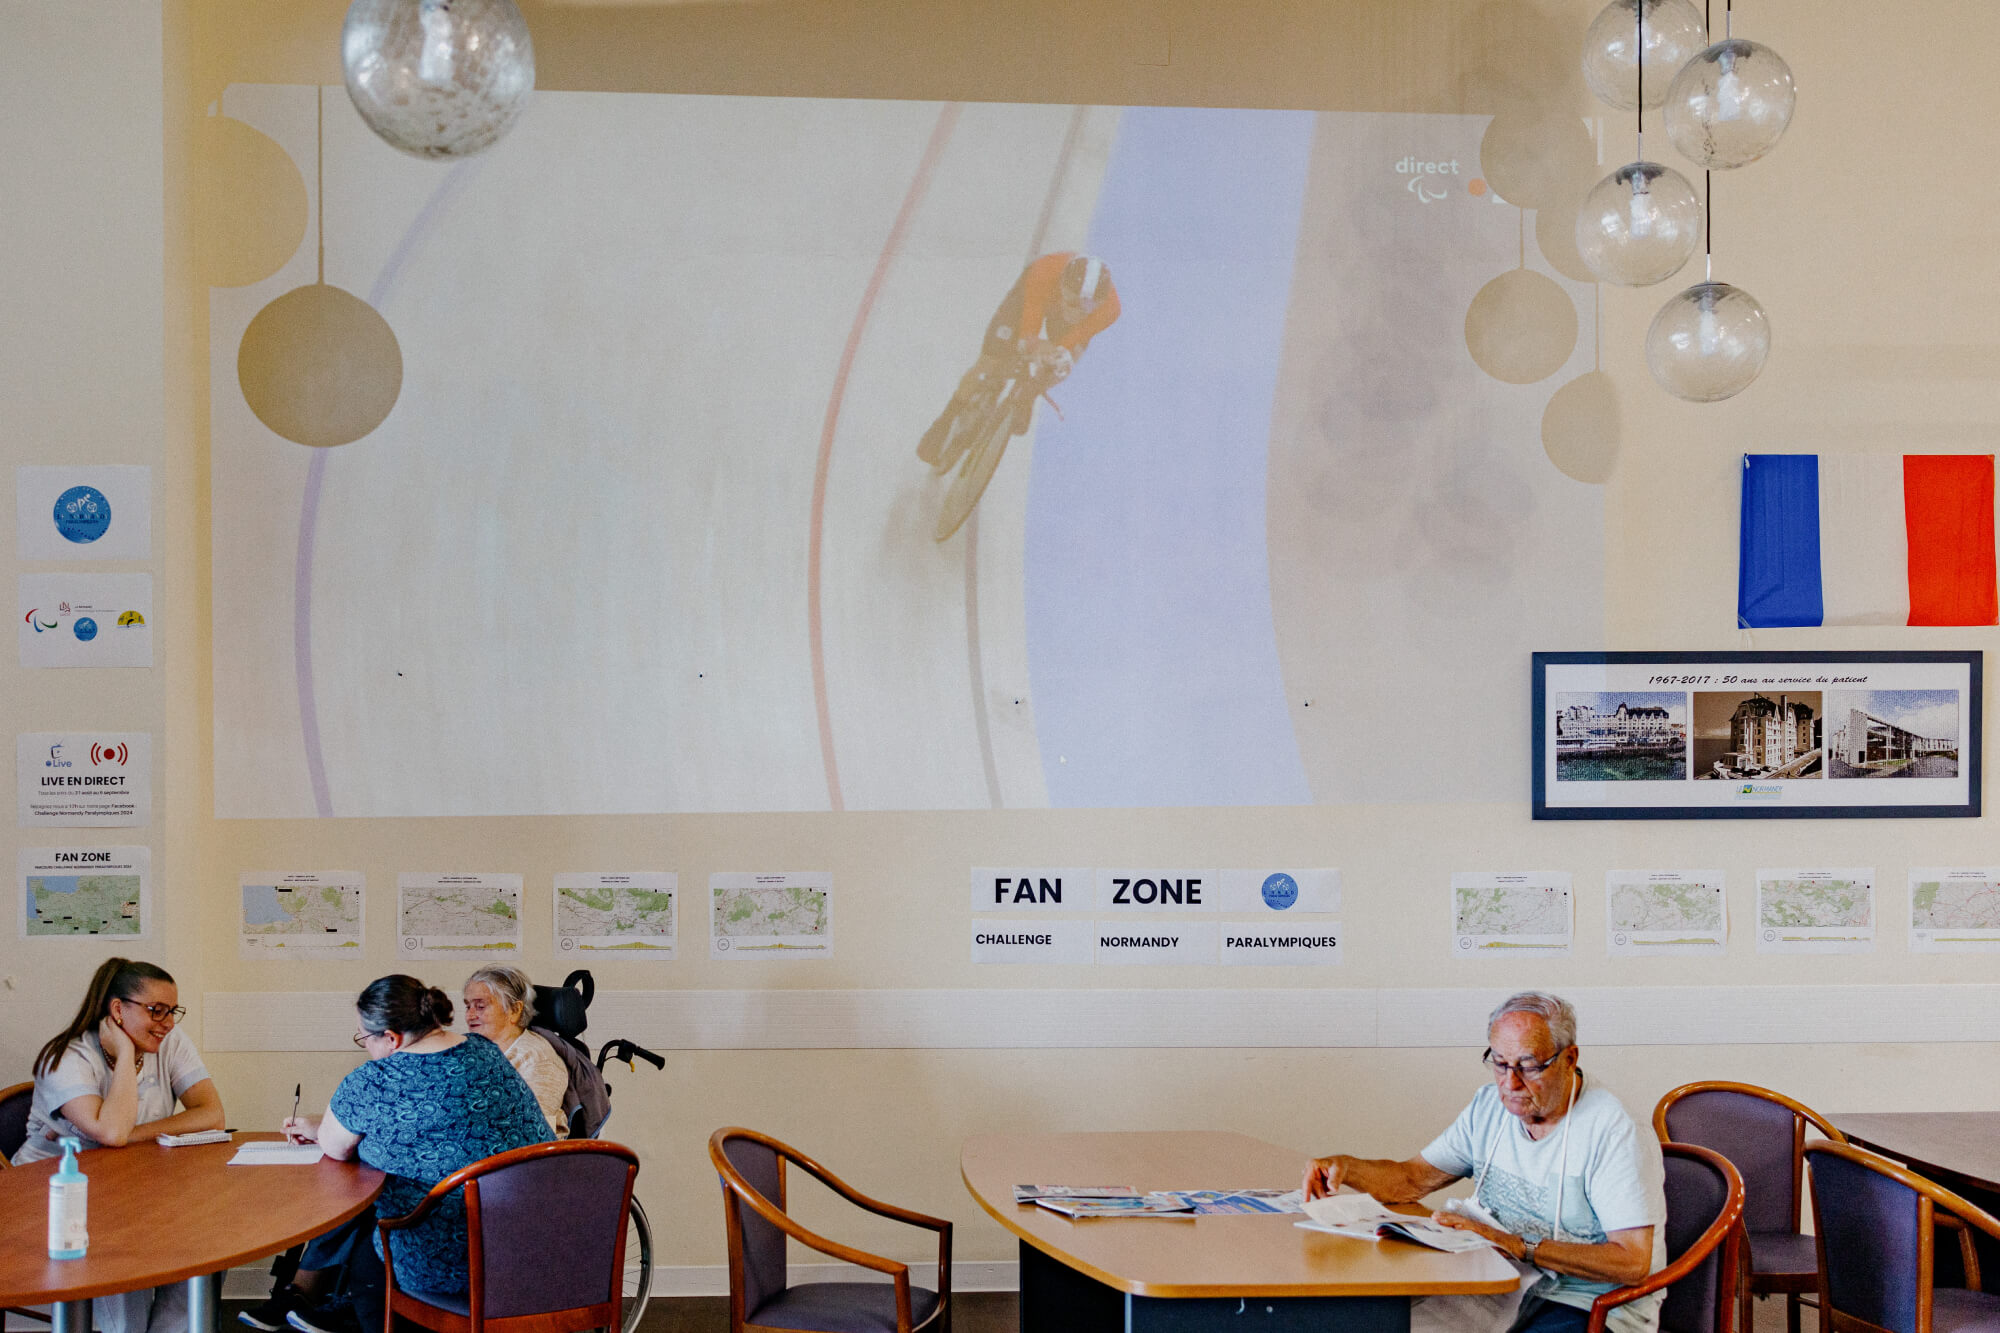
[1037, 295]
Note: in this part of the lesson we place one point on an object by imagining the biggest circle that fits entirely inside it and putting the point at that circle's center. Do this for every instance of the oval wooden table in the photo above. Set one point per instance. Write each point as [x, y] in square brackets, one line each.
[160, 1215]
[1161, 1274]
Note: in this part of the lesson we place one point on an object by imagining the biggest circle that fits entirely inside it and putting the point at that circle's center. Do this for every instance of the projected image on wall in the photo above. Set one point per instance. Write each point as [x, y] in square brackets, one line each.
[771, 454]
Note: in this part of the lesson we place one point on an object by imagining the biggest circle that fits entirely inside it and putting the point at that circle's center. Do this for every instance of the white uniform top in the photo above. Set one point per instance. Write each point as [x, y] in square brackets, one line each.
[83, 1071]
[1598, 1172]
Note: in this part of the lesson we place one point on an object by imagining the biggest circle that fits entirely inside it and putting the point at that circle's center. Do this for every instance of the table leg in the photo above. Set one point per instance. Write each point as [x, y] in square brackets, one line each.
[201, 1303]
[1055, 1298]
[70, 1317]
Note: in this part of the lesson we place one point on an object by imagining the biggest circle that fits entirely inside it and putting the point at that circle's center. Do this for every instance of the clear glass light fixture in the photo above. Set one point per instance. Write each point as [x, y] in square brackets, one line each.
[1638, 225]
[1730, 104]
[438, 78]
[1708, 343]
[1674, 31]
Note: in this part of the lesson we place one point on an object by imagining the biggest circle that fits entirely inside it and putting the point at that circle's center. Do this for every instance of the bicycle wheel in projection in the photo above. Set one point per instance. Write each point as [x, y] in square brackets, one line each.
[960, 433]
[638, 1267]
[989, 446]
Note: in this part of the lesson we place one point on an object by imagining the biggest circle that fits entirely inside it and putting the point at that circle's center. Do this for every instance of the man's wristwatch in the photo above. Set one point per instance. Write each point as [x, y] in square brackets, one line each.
[1528, 1251]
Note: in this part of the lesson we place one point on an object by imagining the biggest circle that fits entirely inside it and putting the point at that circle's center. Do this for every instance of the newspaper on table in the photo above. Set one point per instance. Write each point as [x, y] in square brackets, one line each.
[1364, 1217]
[1148, 1205]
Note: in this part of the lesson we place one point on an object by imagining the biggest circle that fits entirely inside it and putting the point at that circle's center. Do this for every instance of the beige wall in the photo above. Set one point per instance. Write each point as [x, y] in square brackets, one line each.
[1867, 237]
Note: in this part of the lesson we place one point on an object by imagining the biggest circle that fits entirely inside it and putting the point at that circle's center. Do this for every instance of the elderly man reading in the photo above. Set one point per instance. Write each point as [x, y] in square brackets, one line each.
[1566, 1183]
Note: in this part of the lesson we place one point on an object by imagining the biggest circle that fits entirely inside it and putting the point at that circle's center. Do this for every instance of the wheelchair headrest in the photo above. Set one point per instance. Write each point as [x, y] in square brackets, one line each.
[565, 1007]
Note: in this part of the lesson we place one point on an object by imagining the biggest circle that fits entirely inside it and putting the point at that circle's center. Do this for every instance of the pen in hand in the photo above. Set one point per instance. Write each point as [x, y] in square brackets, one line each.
[290, 1120]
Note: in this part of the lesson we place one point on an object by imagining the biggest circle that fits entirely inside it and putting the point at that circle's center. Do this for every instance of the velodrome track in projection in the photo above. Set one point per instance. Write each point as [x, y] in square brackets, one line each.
[646, 531]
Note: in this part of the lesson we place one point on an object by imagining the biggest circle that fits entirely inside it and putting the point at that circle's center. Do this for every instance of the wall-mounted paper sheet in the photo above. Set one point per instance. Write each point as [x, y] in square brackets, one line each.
[84, 513]
[84, 779]
[86, 892]
[628, 915]
[1651, 912]
[1511, 912]
[770, 915]
[1816, 911]
[458, 915]
[1955, 909]
[86, 620]
[301, 914]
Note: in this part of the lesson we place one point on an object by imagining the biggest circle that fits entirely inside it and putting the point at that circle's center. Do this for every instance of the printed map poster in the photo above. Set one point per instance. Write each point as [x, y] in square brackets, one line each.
[84, 513]
[300, 914]
[98, 779]
[1955, 909]
[1655, 912]
[1816, 911]
[86, 892]
[627, 916]
[1497, 913]
[772, 915]
[86, 620]
[453, 916]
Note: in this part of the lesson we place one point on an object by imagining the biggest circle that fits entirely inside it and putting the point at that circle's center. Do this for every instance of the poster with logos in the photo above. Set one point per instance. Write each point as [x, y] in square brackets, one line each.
[1955, 909]
[476, 917]
[772, 914]
[1816, 911]
[86, 892]
[1495, 914]
[84, 779]
[69, 513]
[86, 620]
[300, 914]
[1650, 913]
[616, 915]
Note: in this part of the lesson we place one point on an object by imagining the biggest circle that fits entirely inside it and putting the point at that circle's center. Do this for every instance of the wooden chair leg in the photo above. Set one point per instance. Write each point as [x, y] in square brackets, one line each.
[1792, 1312]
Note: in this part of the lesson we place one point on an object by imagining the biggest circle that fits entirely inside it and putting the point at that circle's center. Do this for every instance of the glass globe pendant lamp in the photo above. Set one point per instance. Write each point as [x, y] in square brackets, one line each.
[1708, 343]
[1638, 225]
[438, 78]
[1667, 35]
[1730, 104]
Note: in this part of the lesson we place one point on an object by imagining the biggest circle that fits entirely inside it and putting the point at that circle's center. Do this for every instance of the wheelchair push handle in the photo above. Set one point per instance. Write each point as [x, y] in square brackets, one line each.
[622, 1048]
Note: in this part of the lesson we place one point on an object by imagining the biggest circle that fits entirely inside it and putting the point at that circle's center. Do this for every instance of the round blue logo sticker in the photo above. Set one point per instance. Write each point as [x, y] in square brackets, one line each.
[86, 630]
[82, 514]
[1280, 892]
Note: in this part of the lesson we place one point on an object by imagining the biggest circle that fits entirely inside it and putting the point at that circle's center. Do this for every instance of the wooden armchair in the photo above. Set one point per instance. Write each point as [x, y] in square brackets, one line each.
[1704, 1235]
[752, 1168]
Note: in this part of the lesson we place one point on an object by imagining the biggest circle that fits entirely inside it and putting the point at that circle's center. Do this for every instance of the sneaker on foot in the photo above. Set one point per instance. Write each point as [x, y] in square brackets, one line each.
[268, 1316]
[332, 1315]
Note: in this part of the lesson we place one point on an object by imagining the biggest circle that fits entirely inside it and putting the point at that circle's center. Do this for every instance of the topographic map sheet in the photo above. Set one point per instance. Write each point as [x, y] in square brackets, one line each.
[80, 892]
[1955, 909]
[456, 916]
[1816, 911]
[1652, 912]
[772, 915]
[623, 915]
[300, 914]
[1510, 912]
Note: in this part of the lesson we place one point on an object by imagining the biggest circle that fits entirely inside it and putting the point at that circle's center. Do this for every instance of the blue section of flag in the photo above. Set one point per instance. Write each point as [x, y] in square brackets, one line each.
[1778, 580]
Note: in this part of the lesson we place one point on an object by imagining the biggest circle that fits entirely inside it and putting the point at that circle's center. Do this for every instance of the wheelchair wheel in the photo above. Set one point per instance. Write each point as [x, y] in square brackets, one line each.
[989, 444]
[638, 1267]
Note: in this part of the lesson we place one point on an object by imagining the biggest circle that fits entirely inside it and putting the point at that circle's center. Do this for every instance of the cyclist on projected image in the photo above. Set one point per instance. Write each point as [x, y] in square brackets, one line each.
[1034, 340]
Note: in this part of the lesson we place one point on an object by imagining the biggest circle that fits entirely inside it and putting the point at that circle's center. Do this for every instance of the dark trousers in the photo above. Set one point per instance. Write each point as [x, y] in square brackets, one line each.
[1539, 1316]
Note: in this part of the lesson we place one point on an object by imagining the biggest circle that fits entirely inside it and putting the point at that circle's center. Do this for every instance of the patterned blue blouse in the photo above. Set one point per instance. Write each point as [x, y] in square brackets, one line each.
[422, 1117]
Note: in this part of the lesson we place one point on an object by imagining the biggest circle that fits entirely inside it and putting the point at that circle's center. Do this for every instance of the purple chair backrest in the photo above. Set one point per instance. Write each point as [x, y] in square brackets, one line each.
[14, 1120]
[1756, 1136]
[763, 1243]
[1696, 1195]
[1870, 1234]
[572, 1206]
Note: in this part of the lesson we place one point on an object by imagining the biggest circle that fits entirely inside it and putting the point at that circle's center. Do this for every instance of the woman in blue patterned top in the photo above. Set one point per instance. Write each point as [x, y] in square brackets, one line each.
[428, 1102]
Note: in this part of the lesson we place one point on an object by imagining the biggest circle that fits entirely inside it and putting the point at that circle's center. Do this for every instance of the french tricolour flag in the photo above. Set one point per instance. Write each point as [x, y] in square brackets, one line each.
[1867, 539]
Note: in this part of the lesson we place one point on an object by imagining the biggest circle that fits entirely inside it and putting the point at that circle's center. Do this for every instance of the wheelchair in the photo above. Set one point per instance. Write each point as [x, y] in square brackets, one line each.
[561, 1016]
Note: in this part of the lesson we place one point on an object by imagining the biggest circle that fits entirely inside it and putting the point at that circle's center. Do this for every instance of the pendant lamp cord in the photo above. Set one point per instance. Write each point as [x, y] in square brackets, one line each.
[320, 188]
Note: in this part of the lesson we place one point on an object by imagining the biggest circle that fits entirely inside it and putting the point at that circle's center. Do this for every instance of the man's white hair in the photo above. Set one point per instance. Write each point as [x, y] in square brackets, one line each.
[1551, 1009]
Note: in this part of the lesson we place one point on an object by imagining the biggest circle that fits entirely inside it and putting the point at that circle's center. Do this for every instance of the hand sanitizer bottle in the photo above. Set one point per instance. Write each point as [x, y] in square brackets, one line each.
[69, 1207]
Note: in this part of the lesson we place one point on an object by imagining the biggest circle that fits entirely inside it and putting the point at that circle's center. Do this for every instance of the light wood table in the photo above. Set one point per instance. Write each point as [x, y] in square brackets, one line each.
[1161, 1275]
[1953, 1147]
[160, 1215]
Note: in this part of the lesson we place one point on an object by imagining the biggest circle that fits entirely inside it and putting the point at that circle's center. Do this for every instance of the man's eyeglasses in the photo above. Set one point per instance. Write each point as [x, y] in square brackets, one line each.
[159, 1012]
[1527, 1069]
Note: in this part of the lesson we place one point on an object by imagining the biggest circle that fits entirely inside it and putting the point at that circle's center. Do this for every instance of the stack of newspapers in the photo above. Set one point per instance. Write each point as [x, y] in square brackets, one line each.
[1364, 1217]
[1085, 1201]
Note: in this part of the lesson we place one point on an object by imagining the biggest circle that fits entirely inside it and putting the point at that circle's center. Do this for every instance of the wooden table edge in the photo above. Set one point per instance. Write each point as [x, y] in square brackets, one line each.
[1184, 1291]
[1945, 1175]
[264, 1248]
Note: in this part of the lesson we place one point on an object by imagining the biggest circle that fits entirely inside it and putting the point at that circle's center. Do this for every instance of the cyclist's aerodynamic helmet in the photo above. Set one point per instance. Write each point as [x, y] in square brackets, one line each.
[1085, 282]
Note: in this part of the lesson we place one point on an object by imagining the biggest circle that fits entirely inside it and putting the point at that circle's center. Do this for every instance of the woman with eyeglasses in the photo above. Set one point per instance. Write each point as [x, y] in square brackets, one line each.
[427, 1102]
[112, 1078]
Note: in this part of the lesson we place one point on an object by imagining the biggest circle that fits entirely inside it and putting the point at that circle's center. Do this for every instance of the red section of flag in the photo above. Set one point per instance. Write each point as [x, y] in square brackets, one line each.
[1948, 509]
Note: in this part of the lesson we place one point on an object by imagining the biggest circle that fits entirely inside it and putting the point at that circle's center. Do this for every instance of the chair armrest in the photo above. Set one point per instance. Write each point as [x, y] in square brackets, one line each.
[862, 1201]
[1968, 1251]
[1696, 1255]
[813, 1240]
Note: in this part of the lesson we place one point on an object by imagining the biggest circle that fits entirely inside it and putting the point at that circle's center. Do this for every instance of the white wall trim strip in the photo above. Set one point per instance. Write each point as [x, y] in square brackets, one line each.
[1000, 1019]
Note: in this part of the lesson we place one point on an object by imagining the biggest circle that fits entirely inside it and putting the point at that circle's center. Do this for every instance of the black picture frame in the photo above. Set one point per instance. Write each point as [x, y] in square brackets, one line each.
[1744, 795]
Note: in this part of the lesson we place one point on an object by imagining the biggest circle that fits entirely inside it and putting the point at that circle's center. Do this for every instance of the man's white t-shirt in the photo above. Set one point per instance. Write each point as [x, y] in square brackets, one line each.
[84, 1072]
[1613, 1180]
